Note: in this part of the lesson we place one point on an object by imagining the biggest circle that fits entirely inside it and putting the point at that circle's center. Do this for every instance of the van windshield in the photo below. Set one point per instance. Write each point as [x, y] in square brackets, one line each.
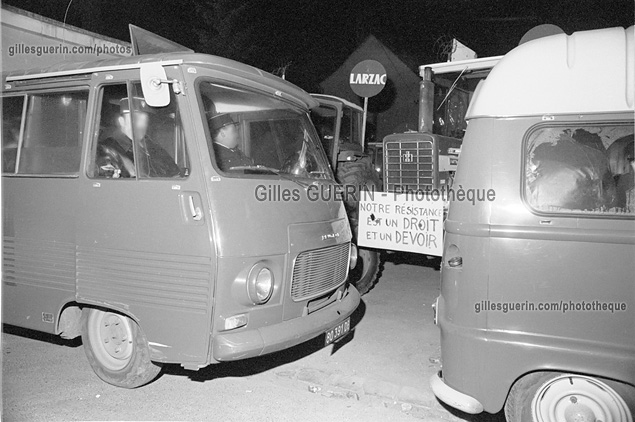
[254, 134]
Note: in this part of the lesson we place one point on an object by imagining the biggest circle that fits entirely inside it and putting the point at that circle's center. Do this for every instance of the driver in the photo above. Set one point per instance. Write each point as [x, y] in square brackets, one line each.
[226, 139]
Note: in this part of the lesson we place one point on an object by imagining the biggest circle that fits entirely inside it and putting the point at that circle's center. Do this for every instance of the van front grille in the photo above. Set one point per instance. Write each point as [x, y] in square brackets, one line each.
[409, 164]
[318, 271]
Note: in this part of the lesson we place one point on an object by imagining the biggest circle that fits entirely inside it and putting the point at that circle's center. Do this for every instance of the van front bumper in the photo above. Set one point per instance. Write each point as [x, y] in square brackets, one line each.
[260, 341]
[452, 397]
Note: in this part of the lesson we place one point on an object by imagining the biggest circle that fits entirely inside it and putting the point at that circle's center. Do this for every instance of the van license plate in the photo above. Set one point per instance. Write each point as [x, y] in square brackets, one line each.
[338, 331]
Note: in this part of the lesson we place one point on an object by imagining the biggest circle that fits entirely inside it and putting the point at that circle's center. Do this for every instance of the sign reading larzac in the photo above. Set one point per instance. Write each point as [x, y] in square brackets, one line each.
[368, 78]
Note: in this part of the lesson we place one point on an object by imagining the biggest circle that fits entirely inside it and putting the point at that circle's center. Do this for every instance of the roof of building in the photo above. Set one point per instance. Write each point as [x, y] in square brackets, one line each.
[395, 108]
[32, 22]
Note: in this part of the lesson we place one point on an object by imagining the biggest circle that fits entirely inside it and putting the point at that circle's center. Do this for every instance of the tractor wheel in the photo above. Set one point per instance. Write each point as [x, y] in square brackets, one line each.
[366, 272]
[360, 175]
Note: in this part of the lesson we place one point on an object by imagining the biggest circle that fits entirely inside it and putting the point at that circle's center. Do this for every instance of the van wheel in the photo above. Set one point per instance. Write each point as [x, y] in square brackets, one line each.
[552, 396]
[116, 349]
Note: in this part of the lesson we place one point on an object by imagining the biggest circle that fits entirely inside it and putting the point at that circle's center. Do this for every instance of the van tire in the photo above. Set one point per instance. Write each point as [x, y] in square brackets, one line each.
[549, 388]
[116, 349]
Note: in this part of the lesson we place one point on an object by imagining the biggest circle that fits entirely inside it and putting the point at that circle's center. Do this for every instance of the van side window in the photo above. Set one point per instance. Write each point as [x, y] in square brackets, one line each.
[581, 170]
[324, 118]
[136, 140]
[53, 133]
[11, 121]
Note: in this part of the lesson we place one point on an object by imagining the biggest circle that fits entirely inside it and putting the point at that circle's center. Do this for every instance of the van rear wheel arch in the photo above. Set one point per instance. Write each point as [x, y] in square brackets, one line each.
[535, 394]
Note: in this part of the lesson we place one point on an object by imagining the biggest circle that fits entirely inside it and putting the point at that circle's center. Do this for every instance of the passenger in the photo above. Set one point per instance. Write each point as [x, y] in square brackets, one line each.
[226, 139]
[10, 139]
[573, 173]
[115, 153]
[621, 155]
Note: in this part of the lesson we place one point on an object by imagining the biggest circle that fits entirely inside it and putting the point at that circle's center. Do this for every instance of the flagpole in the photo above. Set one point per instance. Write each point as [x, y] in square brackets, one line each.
[364, 122]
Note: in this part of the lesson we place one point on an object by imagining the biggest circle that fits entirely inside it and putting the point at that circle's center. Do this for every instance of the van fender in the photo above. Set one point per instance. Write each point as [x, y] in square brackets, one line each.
[119, 307]
[68, 324]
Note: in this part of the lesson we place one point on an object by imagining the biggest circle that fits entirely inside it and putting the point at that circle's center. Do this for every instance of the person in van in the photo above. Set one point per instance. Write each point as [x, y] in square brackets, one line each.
[115, 152]
[10, 140]
[621, 156]
[573, 173]
[226, 139]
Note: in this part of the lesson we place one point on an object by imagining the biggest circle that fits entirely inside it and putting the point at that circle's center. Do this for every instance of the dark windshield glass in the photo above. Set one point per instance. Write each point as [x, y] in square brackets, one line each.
[252, 133]
[351, 126]
[325, 118]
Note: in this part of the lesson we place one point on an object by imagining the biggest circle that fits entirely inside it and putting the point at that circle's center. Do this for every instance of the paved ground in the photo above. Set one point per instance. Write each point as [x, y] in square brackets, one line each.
[380, 373]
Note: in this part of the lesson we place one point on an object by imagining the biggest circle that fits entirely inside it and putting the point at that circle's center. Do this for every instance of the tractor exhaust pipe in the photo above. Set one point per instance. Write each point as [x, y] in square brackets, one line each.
[426, 102]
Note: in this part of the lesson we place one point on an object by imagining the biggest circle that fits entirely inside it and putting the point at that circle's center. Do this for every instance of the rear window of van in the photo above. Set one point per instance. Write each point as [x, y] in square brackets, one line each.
[43, 132]
[581, 169]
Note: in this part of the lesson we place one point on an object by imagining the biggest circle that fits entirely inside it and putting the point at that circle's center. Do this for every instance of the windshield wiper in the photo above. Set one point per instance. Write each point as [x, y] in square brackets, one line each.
[259, 169]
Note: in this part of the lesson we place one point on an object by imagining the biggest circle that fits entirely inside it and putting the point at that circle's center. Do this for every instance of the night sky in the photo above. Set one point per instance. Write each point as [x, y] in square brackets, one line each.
[312, 37]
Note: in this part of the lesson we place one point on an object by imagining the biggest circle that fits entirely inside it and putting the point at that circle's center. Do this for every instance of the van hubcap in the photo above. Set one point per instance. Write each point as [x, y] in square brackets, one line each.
[116, 340]
[577, 398]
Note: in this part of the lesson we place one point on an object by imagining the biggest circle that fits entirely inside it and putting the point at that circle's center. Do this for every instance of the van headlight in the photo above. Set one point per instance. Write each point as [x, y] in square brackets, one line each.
[260, 284]
[353, 260]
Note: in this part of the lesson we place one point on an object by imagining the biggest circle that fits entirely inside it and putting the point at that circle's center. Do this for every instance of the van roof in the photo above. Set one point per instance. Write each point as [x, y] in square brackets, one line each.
[227, 69]
[337, 99]
[470, 65]
[586, 72]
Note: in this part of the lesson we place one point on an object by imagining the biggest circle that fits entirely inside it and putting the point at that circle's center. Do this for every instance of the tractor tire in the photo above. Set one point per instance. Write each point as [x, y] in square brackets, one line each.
[361, 176]
[366, 273]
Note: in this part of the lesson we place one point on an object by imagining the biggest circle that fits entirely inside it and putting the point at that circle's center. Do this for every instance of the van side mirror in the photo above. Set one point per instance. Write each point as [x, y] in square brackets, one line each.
[155, 85]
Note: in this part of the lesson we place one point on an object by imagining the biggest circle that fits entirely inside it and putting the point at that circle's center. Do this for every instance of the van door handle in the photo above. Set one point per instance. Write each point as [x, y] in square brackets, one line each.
[191, 207]
[195, 211]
